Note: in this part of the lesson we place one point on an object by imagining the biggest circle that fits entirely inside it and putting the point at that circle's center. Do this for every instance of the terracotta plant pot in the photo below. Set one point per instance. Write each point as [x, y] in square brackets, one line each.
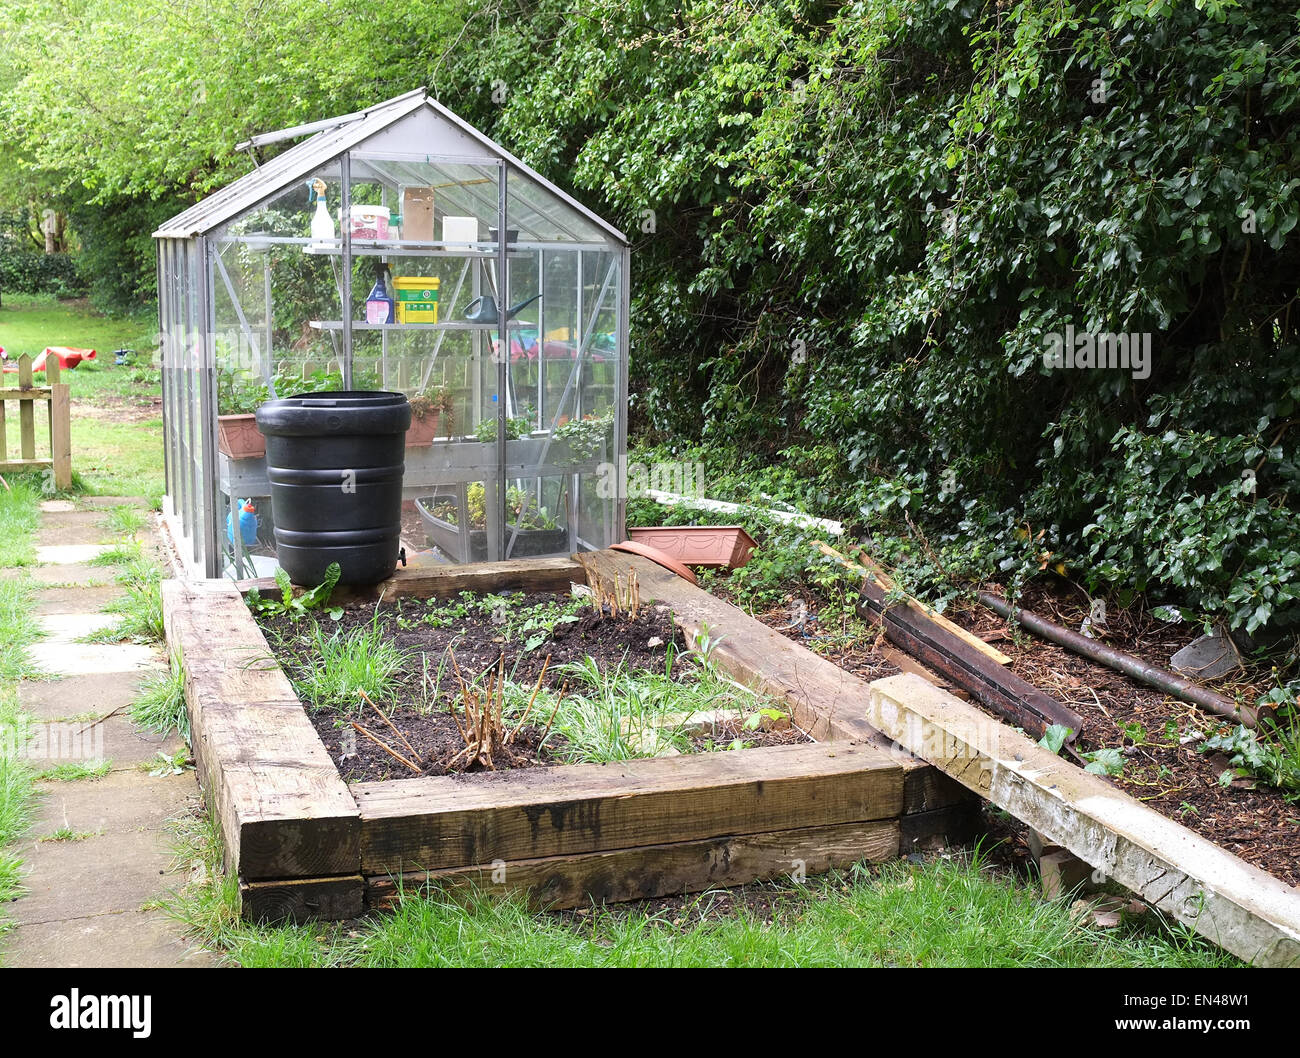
[239, 437]
[710, 546]
[423, 431]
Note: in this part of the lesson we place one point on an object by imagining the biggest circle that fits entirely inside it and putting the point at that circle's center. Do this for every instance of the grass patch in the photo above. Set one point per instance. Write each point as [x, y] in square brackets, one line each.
[126, 552]
[18, 631]
[68, 834]
[15, 816]
[618, 714]
[954, 911]
[28, 324]
[19, 519]
[343, 664]
[124, 519]
[161, 704]
[74, 772]
[118, 458]
[140, 612]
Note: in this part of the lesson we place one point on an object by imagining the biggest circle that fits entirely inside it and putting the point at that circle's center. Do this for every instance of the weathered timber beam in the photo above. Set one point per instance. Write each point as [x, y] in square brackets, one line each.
[1239, 907]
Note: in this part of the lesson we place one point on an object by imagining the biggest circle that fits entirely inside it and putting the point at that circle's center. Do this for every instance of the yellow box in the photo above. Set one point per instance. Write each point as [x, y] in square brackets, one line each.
[417, 298]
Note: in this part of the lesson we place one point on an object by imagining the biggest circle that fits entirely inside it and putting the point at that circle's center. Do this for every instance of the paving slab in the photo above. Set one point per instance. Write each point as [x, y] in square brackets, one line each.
[67, 696]
[126, 939]
[68, 554]
[115, 739]
[75, 879]
[121, 802]
[75, 600]
[72, 573]
[70, 535]
[79, 659]
[57, 506]
[66, 628]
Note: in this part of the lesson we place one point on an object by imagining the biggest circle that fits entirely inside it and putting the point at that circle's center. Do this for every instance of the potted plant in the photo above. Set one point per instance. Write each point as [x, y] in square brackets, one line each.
[538, 531]
[237, 433]
[430, 408]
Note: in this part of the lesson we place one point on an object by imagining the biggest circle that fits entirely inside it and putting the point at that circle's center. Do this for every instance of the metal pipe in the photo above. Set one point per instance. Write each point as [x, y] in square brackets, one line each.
[1151, 675]
[503, 353]
[345, 281]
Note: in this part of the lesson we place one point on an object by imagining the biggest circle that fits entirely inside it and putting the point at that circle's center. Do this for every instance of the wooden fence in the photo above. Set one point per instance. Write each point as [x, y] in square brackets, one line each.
[58, 403]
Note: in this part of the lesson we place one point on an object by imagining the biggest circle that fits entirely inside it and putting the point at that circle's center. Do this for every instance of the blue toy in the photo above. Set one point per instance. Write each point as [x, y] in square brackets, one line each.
[247, 524]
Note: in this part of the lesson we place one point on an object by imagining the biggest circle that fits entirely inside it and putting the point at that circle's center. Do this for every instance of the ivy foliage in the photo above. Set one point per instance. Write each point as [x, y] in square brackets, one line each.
[855, 226]
[866, 218]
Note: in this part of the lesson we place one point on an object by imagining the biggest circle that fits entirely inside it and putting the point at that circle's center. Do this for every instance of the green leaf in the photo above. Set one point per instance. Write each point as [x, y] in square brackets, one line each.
[1055, 737]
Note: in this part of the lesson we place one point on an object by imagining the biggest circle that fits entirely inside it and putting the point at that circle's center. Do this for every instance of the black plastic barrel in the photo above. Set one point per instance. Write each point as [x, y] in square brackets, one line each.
[335, 463]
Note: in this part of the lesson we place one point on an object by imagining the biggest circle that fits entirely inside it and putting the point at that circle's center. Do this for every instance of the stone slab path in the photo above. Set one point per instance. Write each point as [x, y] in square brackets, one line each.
[98, 854]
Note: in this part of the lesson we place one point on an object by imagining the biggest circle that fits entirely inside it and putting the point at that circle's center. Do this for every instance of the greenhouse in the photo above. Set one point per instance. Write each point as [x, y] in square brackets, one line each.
[399, 249]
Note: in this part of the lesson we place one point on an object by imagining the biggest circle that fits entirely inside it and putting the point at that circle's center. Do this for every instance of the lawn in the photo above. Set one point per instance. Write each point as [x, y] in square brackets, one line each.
[116, 411]
[28, 324]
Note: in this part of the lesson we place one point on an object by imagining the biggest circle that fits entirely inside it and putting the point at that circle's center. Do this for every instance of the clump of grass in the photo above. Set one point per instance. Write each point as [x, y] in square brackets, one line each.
[124, 519]
[15, 817]
[343, 665]
[124, 552]
[66, 833]
[74, 772]
[140, 608]
[619, 714]
[161, 704]
[18, 631]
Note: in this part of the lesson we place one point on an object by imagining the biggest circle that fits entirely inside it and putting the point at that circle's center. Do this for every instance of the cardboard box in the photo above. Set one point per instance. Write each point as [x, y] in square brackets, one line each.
[417, 214]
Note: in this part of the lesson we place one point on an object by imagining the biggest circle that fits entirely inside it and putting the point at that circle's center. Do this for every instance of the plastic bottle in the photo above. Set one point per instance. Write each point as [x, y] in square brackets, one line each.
[380, 305]
[322, 224]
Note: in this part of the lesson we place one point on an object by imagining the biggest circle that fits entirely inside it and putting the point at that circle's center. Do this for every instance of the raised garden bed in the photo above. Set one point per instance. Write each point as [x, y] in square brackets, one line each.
[305, 843]
[607, 687]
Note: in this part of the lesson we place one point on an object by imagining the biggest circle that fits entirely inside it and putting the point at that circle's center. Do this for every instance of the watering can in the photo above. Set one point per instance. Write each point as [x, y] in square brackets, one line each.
[484, 309]
[247, 524]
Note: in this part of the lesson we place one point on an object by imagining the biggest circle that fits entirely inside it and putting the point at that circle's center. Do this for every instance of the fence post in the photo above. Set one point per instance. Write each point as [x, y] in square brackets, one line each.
[26, 413]
[60, 425]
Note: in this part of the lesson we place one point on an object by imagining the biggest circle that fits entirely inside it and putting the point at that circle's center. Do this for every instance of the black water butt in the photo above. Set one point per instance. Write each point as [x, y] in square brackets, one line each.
[335, 463]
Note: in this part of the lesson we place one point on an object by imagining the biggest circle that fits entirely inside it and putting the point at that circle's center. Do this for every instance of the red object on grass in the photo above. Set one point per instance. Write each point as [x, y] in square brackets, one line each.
[67, 357]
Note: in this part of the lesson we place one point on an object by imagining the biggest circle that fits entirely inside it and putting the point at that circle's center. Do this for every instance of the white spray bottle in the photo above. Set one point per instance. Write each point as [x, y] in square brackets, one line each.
[322, 224]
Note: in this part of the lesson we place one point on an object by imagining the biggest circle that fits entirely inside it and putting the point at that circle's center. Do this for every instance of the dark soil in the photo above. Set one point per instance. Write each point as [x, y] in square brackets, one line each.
[434, 736]
[1163, 769]
[857, 655]
[1166, 772]
[477, 641]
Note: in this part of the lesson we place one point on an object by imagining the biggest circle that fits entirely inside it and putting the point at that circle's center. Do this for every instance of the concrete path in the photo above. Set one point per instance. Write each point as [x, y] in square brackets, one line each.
[98, 853]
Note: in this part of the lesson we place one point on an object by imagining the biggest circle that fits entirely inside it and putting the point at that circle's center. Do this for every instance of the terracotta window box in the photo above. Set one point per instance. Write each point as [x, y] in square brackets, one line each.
[239, 437]
[708, 546]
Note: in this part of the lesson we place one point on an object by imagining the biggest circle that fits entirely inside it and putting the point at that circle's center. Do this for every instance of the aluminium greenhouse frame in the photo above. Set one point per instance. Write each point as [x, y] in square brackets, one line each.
[231, 267]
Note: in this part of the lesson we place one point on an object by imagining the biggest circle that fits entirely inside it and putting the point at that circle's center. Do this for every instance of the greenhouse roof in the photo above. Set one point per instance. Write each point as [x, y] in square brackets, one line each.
[457, 143]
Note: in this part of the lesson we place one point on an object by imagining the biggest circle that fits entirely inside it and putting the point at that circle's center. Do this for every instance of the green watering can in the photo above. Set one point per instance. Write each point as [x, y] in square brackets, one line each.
[484, 309]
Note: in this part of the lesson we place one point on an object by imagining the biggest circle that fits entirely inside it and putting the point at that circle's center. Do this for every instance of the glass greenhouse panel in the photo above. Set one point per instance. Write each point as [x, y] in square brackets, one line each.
[400, 250]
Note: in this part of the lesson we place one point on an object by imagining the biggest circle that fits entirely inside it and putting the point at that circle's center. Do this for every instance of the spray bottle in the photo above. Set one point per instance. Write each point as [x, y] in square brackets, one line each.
[322, 224]
[380, 305]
